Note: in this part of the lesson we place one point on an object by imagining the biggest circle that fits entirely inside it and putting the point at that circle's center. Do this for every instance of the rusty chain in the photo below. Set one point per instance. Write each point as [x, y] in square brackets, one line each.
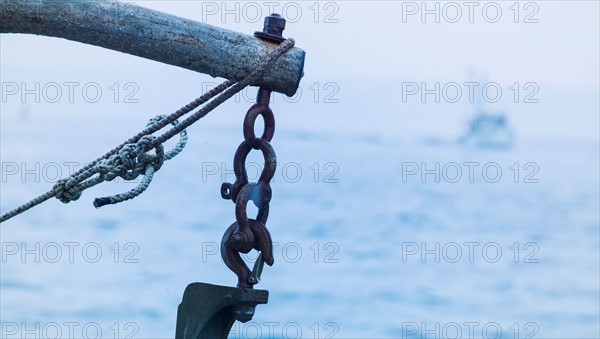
[245, 234]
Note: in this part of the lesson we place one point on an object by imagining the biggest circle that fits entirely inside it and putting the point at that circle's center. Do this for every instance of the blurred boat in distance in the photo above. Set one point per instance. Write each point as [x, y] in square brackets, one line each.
[488, 130]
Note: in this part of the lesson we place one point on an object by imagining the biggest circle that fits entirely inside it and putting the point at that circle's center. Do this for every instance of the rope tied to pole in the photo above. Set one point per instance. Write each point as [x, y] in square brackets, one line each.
[131, 159]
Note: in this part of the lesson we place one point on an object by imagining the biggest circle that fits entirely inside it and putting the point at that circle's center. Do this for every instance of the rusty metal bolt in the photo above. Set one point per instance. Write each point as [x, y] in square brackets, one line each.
[274, 24]
[273, 28]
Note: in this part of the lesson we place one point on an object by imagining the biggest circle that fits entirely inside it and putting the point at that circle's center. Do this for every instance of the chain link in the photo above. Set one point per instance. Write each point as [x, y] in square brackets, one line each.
[245, 234]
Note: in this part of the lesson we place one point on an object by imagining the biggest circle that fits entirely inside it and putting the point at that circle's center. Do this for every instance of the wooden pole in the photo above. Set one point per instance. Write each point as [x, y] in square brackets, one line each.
[154, 35]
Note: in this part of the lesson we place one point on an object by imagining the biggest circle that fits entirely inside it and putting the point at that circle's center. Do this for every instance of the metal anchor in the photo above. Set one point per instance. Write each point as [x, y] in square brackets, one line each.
[208, 311]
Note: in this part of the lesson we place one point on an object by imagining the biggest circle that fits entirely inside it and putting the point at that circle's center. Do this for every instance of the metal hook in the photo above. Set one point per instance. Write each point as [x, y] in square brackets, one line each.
[233, 260]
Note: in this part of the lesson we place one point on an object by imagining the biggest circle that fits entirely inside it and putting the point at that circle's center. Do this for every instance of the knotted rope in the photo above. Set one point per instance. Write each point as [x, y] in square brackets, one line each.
[131, 159]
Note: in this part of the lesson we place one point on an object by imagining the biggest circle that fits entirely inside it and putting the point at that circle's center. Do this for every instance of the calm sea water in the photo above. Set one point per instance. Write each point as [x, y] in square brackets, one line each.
[368, 242]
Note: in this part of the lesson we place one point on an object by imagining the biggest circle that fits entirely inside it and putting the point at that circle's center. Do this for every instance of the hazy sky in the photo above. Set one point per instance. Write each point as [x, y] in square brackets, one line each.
[362, 46]
[388, 39]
